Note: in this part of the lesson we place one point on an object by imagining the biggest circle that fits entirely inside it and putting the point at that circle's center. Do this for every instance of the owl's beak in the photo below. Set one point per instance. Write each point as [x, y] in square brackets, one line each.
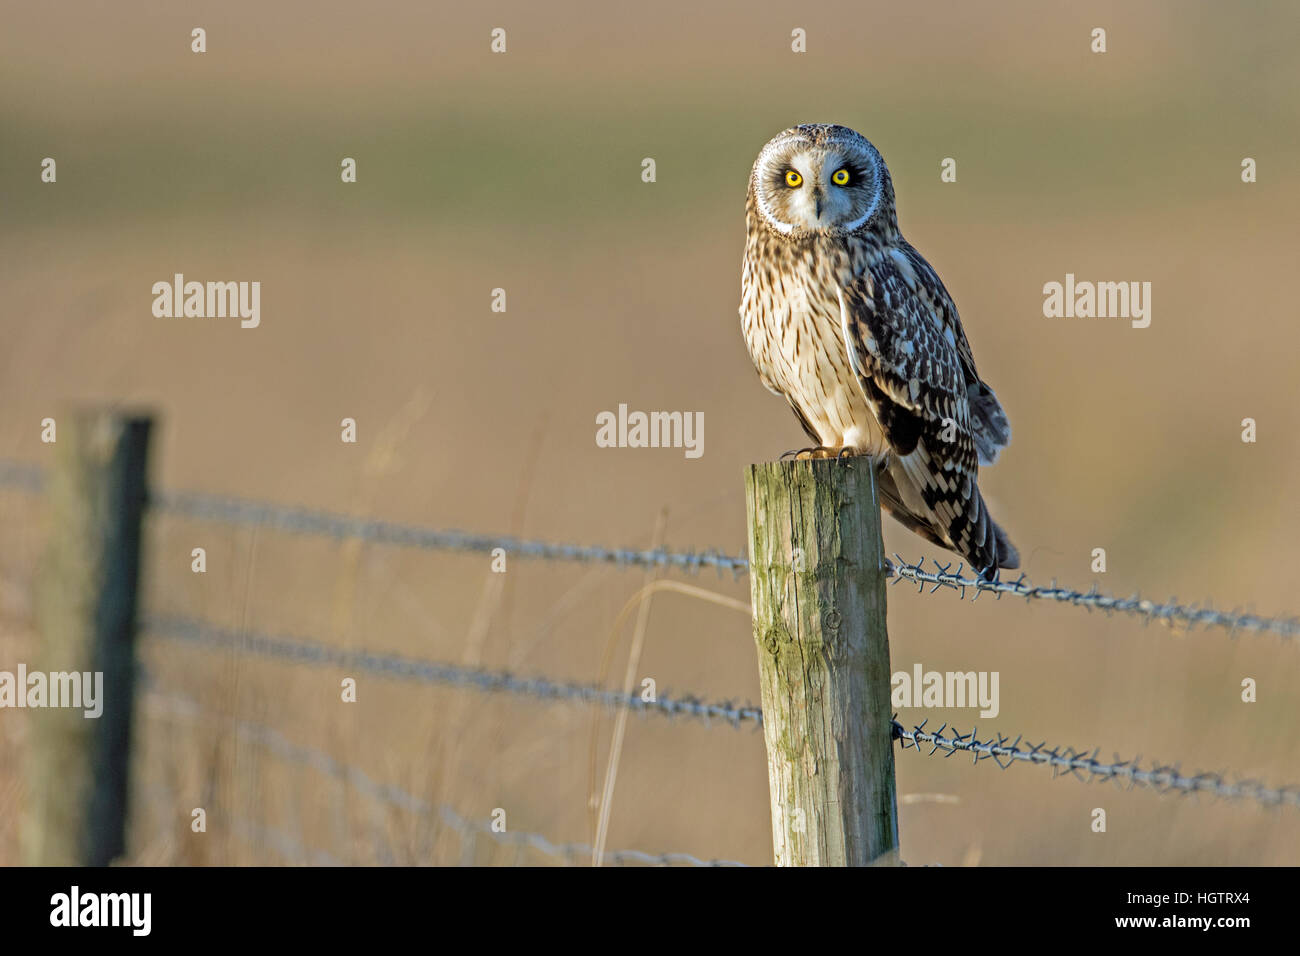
[818, 200]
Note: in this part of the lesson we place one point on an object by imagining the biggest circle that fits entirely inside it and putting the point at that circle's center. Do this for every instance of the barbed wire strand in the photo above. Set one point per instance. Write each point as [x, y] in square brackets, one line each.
[329, 524]
[1169, 612]
[303, 651]
[1084, 765]
[293, 520]
[285, 749]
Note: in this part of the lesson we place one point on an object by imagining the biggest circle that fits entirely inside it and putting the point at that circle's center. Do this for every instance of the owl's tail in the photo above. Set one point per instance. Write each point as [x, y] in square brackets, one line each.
[970, 532]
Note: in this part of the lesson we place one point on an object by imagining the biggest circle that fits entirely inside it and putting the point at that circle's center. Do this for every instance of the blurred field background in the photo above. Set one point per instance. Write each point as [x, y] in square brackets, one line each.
[522, 171]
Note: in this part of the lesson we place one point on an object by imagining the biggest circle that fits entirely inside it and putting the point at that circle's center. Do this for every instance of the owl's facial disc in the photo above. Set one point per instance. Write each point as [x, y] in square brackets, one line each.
[817, 190]
[807, 186]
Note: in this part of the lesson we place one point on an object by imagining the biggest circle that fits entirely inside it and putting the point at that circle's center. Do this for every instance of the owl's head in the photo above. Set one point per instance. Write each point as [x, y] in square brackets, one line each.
[821, 179]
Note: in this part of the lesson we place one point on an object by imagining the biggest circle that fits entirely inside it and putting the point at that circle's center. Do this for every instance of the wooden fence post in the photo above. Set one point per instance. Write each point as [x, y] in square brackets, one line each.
[77, 776]
[818, 587]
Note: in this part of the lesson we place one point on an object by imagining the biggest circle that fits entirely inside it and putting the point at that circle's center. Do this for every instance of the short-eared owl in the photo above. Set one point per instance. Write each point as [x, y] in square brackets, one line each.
[847, 321]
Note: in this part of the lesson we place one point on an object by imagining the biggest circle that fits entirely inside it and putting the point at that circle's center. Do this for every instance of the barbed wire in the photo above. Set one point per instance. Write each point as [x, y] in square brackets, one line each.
[324, 763]
[301, 650]
[943, 576]
[306, 521]
[294, 520]
[1084, 765]
[302, 521]
[1064, 760]
[329, 524]
[1169, 612]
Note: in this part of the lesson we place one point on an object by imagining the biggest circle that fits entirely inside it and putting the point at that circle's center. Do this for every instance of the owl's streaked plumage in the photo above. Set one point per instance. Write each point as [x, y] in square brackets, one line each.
[848, 322]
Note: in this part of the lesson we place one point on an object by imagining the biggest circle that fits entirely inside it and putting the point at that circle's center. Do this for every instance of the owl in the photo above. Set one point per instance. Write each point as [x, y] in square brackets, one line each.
[854, 328]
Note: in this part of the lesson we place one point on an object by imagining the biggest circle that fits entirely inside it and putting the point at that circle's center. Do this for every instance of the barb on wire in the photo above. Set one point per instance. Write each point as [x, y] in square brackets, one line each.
[302, 651]
[1168, 612]
[1084, 765]
[285, 749]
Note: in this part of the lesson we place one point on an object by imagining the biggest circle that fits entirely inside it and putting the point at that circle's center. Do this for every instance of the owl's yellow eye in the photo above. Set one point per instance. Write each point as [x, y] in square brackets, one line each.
[793, 179]
[840, 177]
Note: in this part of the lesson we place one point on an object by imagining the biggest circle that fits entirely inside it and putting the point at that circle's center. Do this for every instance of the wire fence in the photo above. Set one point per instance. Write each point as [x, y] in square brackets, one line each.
[1067, 761]
[1003, 750]
[310, 522]
[943, 576]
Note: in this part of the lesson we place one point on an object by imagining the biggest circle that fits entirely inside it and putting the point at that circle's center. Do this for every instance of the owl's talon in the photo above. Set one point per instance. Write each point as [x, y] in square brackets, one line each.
[809, 454]
[848, 451]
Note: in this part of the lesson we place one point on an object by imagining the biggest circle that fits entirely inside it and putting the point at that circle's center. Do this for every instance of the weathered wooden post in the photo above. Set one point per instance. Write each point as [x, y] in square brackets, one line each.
[75, 812]
[818, 587]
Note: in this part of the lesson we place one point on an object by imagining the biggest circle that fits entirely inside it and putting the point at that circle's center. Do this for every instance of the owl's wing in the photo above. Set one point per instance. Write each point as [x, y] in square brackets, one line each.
[908, 364]
[910, 368]
[989, 425]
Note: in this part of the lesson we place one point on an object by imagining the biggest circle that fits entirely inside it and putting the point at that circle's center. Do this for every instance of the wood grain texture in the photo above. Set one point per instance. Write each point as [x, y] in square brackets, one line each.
[818, 589]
